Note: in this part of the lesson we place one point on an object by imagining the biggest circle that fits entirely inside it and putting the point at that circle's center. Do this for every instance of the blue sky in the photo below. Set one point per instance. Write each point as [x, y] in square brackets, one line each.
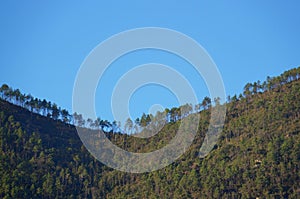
[43, 44]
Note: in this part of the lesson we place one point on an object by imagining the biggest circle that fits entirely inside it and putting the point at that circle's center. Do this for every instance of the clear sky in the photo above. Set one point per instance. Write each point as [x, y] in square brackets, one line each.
[43, 43]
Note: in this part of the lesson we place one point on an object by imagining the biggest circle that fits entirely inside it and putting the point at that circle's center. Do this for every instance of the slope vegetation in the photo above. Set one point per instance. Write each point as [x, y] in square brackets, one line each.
[257, 155]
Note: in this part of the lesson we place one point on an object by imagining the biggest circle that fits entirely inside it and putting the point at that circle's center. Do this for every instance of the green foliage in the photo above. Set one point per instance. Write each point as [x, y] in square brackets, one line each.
[257, 155]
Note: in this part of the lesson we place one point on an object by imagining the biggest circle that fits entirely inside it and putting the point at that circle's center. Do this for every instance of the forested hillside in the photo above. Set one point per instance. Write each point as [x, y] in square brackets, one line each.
[257, 155]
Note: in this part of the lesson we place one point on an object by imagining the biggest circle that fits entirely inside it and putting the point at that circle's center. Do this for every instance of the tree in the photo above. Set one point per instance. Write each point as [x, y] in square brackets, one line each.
[167, 112]
[90, 122]
[97, 123]
[17, 94]
[247, 90]
[185, 110]
[206, 103]
[65, 115]
[4, 88]
[44, 107]
[78, 119]
[145, 120]
[217, 101]
[55, 111]
[173, 114]
[128, 126]
[105, 125]
[197, 108]
[115, 127]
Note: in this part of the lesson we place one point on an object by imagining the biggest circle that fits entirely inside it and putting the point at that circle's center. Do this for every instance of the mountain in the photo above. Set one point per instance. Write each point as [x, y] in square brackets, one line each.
[256, 156]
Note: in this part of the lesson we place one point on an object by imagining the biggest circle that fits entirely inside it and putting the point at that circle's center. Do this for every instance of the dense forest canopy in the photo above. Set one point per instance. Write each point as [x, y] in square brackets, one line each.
[257, 155]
